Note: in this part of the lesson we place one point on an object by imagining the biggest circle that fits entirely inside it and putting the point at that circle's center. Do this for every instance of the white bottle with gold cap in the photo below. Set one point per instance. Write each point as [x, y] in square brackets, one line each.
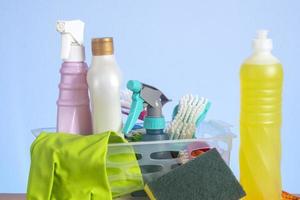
[104, 80]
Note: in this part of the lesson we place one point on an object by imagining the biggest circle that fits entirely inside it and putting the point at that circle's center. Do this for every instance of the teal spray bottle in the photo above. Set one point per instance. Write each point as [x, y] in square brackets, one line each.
[153, 99]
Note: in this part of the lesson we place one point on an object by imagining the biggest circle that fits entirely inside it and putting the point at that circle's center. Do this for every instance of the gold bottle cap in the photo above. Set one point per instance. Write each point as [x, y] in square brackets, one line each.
[102, 46]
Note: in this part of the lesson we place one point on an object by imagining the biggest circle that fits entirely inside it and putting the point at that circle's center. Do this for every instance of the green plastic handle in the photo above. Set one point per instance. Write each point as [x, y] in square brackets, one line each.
[136, 107]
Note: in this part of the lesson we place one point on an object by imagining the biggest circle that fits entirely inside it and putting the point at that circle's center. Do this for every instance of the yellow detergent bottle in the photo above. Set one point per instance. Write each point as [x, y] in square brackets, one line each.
[261, 79]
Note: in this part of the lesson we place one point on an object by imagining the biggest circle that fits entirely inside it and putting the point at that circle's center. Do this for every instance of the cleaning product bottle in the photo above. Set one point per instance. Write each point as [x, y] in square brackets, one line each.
[104, 79]
[73, 109]
[153, 99]
[261, 78]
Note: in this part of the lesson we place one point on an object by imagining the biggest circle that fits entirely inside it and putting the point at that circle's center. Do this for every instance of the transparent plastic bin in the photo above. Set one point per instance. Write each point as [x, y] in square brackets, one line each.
[159, 157]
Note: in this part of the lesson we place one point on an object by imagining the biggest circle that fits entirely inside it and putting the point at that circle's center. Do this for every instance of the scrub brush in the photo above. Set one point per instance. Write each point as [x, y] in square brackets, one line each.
[187, 116]
[183, 157]
[193, 150]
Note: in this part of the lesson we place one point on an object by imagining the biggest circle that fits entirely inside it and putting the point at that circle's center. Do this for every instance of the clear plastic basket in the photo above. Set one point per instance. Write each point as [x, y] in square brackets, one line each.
[159, 157]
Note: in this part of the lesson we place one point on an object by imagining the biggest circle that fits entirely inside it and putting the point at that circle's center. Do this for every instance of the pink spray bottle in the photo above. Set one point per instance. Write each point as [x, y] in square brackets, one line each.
[73, 108]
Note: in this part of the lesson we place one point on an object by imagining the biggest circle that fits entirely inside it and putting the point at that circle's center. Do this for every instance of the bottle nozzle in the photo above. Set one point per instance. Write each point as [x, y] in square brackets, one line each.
[72, 39]
[262, 34]
[262, 42]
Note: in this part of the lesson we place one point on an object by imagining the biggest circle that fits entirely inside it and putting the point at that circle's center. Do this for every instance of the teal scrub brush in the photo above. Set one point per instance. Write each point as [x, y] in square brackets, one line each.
[187, 116]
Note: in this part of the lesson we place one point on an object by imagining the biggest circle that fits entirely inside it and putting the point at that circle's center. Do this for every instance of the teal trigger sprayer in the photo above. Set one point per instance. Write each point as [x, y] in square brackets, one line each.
[153, 99]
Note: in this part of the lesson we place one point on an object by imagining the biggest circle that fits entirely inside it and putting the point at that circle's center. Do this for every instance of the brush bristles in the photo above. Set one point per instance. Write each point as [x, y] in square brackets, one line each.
[184, 124]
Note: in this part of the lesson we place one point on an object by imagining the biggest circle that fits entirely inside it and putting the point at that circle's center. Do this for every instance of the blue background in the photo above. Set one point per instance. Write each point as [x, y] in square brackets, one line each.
[179, 46]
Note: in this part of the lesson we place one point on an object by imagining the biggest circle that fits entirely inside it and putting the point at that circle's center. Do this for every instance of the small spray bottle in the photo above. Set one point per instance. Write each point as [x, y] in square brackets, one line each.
[144, 95]
[73, 110]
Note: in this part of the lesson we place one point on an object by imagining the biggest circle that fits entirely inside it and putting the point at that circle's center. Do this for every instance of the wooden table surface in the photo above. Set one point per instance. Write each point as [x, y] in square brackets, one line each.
[18, 197]
[12, 197]
[4, 196]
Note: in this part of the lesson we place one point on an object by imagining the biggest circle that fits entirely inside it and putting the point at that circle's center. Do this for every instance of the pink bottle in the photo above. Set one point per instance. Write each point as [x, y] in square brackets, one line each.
[73, 108]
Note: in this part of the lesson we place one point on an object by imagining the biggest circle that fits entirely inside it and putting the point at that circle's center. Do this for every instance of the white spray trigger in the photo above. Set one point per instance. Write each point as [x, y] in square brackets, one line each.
[72, 35]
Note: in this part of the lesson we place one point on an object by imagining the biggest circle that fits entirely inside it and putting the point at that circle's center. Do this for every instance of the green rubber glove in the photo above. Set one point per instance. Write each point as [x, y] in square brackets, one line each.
[73, 167]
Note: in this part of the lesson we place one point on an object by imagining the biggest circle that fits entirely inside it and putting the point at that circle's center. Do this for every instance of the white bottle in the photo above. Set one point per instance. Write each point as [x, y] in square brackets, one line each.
[104, 79]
